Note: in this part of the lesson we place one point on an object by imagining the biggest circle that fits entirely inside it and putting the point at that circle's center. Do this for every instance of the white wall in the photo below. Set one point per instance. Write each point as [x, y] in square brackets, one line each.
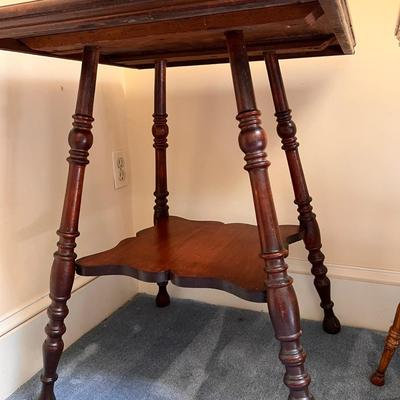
[36, 104]
[346, 110]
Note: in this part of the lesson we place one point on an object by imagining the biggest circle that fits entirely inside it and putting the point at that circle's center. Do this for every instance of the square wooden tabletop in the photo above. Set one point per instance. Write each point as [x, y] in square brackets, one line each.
[134, 33]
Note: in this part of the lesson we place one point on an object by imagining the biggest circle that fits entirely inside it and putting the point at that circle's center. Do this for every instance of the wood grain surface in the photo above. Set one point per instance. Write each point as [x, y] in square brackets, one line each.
[181, 32]
[191, 254]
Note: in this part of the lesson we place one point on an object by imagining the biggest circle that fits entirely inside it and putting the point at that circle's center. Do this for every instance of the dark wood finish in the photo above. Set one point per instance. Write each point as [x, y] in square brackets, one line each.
[392, 343]
[282, 301]
[191, 254]
[63, 270]
[64, 16]
[312, 238]
[151, 33]
[160, 133]
[162, 298]
[135, 33]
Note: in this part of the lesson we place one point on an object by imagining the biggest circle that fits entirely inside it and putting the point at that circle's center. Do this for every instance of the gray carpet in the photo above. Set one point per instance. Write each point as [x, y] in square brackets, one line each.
[197, 351]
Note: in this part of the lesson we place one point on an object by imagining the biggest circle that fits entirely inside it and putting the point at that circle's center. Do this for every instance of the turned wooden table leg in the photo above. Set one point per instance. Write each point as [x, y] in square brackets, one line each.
[63, 270]
[160, 133]
[392, 343]
[282, 301]
[312, 238]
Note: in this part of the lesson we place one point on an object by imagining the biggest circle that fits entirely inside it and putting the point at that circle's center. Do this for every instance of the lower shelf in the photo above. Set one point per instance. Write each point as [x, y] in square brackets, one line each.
[198, 254]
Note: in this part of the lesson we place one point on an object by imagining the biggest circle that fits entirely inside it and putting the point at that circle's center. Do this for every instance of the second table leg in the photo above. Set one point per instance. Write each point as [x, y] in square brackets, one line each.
[281, 297]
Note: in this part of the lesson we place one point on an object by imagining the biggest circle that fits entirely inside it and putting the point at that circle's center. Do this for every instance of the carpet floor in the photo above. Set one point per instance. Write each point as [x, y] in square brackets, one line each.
[196, 351]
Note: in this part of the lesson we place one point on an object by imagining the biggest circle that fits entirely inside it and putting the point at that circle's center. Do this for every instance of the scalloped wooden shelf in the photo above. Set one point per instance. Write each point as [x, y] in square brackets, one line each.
[201, 254]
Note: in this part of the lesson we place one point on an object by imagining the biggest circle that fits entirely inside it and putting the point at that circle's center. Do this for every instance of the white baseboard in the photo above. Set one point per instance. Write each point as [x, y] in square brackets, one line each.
[384, 276]
[364, 297]
[22, 331]
[24, 313]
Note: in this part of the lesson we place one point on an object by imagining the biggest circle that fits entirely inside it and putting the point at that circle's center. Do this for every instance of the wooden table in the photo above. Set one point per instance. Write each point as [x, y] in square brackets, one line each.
[154, 34]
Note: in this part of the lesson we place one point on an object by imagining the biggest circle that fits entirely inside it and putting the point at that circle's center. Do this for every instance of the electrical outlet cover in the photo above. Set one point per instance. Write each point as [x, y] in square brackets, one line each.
[119, 169]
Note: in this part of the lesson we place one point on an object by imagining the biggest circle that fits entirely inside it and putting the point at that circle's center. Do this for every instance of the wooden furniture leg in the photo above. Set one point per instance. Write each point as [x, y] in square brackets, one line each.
[63, 269]
[312, 238]
[281, 297]
[391, 344]
[160, 133]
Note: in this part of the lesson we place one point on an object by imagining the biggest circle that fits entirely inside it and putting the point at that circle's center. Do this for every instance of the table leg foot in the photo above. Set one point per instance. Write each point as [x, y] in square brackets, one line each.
[331, 324]
[47, 392]
[378, 379]
[285, 317]
[163, 299]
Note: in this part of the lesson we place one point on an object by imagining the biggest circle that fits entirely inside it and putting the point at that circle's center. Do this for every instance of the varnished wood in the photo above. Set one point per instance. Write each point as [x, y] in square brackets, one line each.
[63, 269]
[312, 238]
[136, 33]
[62, 16]
[191, 254]
[154, 34]
[281, 297]
[162, 298]
[160, 133]
[392, 343]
